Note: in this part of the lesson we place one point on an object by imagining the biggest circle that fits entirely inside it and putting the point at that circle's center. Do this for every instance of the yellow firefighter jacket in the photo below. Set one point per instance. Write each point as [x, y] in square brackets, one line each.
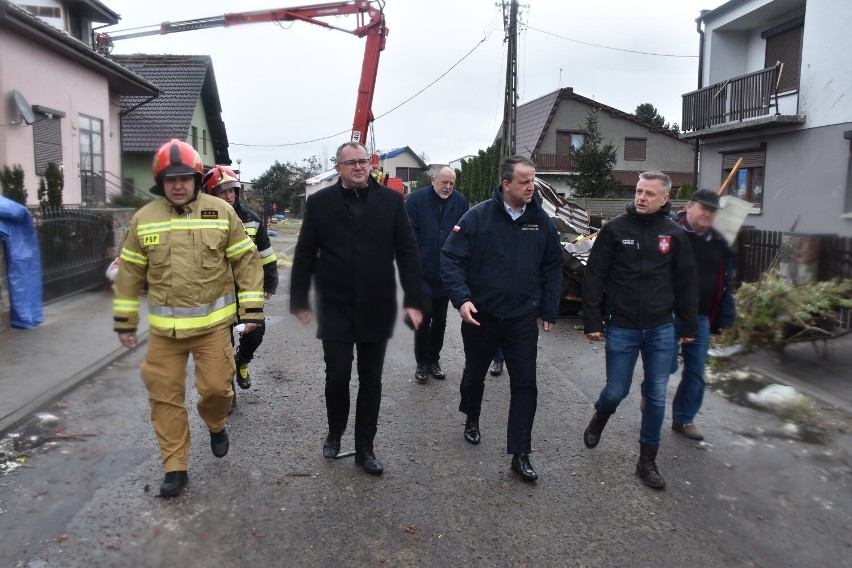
[191, 257]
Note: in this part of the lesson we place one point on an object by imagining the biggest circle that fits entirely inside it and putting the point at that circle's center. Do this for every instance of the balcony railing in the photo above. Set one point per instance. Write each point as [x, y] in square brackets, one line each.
[733, 100]
[552, 162]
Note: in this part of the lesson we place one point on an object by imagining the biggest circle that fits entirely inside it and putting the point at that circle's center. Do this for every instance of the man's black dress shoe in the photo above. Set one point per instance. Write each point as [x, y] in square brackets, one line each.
[471, 431]
[331, 446]
[368, 460]
[219, 443]
[420, 374]
[173, 483]
[522, 466]
[436, 371]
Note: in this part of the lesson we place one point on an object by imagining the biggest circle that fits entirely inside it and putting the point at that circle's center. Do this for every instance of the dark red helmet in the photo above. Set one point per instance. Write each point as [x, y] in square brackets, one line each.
[176, 158]
[220, 177]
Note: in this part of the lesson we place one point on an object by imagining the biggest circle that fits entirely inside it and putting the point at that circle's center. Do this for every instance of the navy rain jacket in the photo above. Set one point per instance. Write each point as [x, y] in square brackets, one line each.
[506, 268]
[431, 229]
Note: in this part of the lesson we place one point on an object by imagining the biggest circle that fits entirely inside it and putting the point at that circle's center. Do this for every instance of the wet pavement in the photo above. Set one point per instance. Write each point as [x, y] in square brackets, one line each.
[761, 490]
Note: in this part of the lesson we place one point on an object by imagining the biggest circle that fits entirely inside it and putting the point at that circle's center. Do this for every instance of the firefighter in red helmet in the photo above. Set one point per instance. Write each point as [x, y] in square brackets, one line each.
[223, 183]
[191, 249]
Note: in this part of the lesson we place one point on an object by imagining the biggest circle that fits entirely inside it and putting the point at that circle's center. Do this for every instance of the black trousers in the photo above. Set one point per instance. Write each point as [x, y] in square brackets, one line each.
[338, 372]
[518, 337]
[249, 342]
[429, 337]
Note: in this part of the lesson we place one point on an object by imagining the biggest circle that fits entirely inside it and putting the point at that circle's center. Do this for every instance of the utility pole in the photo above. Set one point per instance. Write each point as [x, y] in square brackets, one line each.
[510, 104]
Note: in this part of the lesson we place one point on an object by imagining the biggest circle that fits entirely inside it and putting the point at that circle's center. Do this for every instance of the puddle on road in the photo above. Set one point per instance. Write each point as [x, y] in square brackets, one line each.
[737, 389]
[743, 388]
[17, 447]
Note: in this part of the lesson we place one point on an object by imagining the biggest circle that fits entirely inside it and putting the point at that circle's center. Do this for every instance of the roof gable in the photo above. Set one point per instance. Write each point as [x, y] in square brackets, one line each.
[183, 80]
[404, 150]
[534, 119]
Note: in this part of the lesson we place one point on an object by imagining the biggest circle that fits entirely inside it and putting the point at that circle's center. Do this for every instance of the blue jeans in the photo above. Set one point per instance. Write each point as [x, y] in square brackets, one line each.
[690, 391]
[623, 346]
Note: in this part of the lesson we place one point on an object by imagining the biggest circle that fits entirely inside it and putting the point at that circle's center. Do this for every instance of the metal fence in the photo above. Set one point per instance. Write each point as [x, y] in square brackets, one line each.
[73, 245]
[757, 252]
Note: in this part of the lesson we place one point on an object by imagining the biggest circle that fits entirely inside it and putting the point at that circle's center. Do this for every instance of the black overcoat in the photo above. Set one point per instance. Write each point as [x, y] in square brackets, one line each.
[352, 264]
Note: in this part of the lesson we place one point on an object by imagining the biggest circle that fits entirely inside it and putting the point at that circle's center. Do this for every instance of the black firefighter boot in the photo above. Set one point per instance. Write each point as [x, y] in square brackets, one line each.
[593, 432]
[647, 470]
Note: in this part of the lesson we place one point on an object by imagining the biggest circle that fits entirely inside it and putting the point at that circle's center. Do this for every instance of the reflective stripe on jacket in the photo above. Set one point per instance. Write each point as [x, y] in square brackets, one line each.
[191, 257]
[257, 231]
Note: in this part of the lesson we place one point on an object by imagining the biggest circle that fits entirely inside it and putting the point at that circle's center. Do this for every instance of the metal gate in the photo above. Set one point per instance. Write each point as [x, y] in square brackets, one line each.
[73, 245]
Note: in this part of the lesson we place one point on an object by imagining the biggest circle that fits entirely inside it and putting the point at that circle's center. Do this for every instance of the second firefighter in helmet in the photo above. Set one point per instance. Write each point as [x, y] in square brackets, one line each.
[223, 183]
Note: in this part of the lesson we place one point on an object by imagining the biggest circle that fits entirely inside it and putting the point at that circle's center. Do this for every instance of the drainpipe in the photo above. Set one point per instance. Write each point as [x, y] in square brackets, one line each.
[700, 85]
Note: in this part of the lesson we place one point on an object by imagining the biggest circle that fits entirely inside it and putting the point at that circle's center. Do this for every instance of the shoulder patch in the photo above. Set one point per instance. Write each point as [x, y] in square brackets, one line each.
[456, 229]
[209, 214]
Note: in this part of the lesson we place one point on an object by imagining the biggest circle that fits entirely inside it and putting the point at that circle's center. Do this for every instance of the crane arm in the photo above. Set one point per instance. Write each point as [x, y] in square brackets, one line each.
[371, 24]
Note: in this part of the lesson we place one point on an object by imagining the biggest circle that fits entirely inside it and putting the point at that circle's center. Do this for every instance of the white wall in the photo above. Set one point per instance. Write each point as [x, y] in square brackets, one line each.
[826, 76]
[732, 42]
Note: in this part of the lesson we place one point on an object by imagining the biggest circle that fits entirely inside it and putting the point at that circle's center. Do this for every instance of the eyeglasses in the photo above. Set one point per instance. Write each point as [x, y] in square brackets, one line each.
[352, 163]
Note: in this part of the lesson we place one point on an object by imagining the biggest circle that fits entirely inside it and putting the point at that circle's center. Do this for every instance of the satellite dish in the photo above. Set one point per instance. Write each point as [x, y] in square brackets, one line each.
[23, 107]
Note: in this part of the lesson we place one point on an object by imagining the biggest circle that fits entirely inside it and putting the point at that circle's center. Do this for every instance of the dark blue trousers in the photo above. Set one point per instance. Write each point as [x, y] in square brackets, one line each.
[518, 338]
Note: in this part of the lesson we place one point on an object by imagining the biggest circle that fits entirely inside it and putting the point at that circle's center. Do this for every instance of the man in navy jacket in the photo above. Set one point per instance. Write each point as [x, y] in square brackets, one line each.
[502, 268]
[433, 212]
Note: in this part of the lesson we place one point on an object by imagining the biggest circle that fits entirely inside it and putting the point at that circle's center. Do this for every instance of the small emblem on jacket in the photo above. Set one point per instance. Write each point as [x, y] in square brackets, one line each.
[456, 229]
[664, 243]
[209, 214]
[529, 227]
[151, 240]
[628, 242]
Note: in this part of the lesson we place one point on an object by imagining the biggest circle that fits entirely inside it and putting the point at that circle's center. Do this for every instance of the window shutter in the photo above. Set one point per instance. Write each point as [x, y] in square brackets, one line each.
[47, 136]
[563, 143]
[786, 47]
[634, 149]
[752, 159]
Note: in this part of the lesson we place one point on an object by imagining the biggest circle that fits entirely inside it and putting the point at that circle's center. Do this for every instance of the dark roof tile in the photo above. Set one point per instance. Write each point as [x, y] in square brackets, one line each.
[183, 79]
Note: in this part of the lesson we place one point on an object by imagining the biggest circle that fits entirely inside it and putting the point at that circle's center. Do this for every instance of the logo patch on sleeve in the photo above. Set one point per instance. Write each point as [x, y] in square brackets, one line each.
[151, 240]
[456, 229]
[209, 214]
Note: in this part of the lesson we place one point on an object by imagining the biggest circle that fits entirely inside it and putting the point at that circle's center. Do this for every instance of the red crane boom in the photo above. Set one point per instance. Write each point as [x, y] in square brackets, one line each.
[371, 24]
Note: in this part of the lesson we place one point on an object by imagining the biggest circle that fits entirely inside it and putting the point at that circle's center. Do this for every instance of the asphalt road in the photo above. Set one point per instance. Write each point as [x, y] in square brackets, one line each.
[752, 495]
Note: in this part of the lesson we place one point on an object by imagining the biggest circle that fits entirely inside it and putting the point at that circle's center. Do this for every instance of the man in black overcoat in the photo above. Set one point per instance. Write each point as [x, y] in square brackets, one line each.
[350, 236]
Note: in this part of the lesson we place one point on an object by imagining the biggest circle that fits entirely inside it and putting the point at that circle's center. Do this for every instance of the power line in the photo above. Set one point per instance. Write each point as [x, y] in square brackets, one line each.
[608, 47]
[406, 101]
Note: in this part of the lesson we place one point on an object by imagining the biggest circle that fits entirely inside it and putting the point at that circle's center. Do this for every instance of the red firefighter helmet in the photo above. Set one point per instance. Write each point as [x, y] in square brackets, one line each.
[220, 177]
[176, 158]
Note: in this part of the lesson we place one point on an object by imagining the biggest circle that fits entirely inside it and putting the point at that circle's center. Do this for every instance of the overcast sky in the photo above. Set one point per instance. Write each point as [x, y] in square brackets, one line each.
[281, 85]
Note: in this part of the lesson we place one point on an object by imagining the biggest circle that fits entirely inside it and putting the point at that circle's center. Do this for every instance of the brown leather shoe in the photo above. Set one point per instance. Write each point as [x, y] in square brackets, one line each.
[688, 430]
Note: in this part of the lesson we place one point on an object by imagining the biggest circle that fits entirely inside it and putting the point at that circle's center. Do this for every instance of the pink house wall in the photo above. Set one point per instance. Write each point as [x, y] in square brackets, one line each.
[46, 78]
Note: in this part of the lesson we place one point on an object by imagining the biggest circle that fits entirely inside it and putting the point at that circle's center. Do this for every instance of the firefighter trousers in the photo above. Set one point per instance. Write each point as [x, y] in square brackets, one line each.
[164, 375]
